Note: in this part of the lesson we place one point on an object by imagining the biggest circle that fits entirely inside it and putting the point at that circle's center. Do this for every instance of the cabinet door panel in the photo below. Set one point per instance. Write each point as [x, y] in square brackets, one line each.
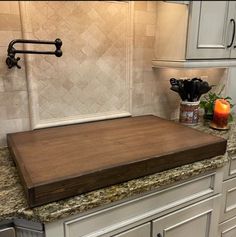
[228, 208]
[230, 168]
[210, 30]
[140, 231]
[228, 228]
[200, 219]
[209, 36]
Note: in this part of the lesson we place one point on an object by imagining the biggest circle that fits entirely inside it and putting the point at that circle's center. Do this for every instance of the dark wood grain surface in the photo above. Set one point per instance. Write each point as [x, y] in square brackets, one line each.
[60, 162]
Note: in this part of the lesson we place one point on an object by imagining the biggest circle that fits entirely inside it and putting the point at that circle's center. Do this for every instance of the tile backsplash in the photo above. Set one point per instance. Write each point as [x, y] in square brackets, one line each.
[91, 79]
[14, 113]
[105, 69]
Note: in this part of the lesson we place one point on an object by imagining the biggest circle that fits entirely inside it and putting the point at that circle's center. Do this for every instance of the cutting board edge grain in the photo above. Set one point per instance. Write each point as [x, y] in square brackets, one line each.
[43, 193]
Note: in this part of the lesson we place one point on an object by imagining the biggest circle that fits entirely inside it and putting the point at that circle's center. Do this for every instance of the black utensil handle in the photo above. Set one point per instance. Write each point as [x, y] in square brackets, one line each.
[232, 40]
[159, 235]
[173, 81]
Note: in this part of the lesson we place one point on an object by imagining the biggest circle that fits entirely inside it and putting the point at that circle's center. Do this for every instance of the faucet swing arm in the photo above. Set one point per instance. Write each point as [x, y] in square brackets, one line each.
[12, 61]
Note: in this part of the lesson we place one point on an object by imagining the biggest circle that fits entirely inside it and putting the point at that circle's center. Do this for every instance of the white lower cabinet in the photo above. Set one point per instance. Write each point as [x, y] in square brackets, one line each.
[198, 220]
[228, 206]
[228, 228]
[139, 231]
[230, 167]
[25, 232]
[188, 208]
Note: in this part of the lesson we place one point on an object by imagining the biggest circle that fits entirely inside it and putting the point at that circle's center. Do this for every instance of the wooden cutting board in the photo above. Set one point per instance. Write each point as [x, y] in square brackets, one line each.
[60, 162]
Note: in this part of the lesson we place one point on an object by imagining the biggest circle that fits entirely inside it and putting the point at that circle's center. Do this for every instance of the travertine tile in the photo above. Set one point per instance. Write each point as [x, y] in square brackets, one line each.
[14, 83]
[9, 7]
[151, 94]
[7, 36]
[148, 54]
[1, 84]
[144, 42]
[3, 110]
[150, 30]
[26, 24]
[10, 126]
[91, 77]
[140, 5]
[151, 6]
[10, 22]
[149, 41]
[139, 29]
[145, 17]
[16, 104]
[14, 114]
[14, 78]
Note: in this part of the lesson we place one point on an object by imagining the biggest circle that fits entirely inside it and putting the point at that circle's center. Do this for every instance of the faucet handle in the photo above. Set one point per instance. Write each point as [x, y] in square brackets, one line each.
[12, 61]
[18, 66]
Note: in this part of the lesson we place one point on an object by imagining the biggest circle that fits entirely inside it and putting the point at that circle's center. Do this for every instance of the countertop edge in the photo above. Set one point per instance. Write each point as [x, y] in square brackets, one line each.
[15, 204]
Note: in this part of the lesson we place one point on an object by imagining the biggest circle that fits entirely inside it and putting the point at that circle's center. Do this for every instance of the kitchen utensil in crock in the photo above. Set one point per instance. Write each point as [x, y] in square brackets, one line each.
[190, 90]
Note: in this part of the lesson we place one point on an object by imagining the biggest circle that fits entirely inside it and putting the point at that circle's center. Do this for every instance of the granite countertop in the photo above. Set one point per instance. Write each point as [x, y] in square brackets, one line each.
[14, 204]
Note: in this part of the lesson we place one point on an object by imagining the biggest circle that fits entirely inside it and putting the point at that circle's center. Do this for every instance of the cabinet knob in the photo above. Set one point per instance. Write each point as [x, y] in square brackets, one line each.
[159, 235]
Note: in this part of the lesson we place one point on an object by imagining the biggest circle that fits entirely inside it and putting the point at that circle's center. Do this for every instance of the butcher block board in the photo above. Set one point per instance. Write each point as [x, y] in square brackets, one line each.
[55, 163]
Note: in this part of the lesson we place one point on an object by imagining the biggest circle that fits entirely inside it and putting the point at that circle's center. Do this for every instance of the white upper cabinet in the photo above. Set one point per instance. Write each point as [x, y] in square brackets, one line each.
[203, 30]
[211, 29]
[232, 9]
[171, 31]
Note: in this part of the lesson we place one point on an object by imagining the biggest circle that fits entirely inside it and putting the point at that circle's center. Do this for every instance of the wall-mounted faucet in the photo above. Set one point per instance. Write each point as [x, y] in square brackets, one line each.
[12, 61]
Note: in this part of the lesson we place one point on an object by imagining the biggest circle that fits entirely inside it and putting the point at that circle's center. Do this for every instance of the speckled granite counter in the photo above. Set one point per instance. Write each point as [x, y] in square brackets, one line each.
[13, 203]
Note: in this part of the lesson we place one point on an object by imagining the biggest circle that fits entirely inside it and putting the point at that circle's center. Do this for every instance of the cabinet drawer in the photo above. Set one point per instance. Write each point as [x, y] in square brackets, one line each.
[200, 219]
[228, 228]
[228, 207]
[143, 208]
[140, 231]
